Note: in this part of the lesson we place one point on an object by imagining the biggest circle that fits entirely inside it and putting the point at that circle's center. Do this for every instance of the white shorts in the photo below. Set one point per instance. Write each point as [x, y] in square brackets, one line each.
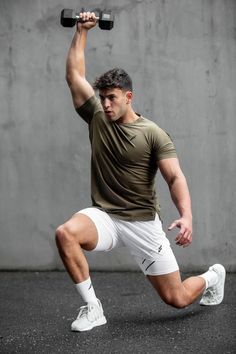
[145, 240]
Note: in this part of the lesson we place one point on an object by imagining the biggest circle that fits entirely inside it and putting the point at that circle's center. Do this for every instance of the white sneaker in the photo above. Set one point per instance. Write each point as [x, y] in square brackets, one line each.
[215, 294]
[89, 316]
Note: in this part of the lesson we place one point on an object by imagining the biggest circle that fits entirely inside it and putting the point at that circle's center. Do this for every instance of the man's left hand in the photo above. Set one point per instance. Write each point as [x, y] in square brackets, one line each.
[184, 237]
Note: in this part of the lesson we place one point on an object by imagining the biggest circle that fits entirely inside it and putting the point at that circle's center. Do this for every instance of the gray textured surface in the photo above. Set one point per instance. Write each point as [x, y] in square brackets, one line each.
[38, 308]
[181, 55]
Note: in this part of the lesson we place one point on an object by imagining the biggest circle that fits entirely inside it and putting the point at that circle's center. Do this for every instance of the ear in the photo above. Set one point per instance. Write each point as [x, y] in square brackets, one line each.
[129, 96]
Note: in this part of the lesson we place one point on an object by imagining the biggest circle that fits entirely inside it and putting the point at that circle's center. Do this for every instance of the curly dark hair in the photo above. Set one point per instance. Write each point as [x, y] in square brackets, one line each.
[114, 78]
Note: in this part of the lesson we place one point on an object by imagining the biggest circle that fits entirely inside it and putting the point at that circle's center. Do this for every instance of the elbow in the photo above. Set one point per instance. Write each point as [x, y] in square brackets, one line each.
[69, 78]
[71, 74]
[71, 81]
[177, 178]
[171, 181]
[74, 78]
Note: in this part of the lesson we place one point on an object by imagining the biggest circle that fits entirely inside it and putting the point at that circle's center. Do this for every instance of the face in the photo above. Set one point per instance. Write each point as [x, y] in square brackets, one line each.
[115, 102]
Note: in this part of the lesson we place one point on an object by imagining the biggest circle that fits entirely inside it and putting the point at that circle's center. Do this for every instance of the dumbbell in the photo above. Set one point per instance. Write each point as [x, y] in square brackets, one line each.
[69, 18]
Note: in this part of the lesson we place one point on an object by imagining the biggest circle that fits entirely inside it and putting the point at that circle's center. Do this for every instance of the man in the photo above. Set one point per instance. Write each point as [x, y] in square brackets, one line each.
[126, 151]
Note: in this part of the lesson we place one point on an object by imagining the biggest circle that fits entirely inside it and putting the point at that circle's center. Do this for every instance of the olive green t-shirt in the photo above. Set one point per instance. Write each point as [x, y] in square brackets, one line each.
[124, 162]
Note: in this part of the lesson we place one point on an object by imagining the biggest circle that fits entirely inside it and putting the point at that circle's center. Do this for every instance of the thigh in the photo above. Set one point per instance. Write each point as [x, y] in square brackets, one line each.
[144, 238]
[83, 230]
[107, 237]
[160, 263]
[150, 247]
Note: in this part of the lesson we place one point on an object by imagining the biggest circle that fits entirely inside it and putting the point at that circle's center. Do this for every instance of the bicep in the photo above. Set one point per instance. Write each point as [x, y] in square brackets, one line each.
[81, 90]
[170, 169]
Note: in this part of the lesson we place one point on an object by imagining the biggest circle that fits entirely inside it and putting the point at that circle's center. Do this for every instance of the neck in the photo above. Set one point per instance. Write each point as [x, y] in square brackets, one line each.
[129, 116]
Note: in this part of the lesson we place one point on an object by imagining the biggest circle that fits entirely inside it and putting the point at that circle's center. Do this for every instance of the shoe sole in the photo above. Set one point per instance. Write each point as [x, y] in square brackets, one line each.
[101, 321]
[223, 274]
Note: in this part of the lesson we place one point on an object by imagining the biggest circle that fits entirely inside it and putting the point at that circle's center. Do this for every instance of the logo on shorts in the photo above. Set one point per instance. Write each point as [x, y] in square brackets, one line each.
[159, 249]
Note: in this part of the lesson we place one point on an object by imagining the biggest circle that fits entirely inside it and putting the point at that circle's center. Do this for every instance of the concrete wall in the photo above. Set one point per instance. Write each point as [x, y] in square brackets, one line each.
[181, 55]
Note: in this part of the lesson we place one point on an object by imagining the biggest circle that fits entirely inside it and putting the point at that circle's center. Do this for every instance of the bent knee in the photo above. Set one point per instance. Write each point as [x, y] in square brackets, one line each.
[64, 234]
[175, 301]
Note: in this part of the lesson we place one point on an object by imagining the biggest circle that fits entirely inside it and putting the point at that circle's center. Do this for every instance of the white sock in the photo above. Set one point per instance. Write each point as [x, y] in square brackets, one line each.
[86, 290]
[210, 277]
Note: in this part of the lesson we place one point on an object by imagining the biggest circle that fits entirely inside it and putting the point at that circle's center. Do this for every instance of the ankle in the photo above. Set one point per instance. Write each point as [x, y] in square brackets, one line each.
[210, 278]
[86, 290]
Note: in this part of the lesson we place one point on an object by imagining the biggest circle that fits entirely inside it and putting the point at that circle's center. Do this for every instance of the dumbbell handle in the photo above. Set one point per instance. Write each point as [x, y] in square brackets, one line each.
[79, 19]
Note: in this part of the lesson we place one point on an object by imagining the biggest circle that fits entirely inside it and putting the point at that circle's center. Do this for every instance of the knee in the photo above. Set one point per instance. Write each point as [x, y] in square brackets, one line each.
[175, 300]
[64, 235]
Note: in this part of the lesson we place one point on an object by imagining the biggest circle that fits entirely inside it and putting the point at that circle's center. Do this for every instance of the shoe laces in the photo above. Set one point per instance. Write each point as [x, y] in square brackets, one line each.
[90, 311]
[210, 294]
[83, 311]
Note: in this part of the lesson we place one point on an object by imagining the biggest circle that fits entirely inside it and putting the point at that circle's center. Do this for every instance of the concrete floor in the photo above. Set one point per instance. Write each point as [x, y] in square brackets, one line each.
[37, 308]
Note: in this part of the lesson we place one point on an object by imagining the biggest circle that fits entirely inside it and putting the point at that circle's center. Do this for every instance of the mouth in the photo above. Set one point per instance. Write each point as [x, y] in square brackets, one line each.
[108, 113]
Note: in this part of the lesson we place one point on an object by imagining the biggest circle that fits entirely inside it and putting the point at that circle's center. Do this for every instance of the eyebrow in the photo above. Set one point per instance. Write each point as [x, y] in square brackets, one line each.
[108, 96]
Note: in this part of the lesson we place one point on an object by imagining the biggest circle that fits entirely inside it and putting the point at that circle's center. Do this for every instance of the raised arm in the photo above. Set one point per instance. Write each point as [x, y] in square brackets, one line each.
[80, 88]
[172, 173]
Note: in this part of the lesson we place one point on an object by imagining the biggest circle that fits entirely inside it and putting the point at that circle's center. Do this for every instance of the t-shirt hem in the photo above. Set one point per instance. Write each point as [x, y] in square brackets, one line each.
[146, 217]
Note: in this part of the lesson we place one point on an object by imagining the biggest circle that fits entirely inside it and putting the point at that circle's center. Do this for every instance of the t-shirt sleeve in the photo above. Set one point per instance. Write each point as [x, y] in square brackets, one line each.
[162, 144]
[89, 109]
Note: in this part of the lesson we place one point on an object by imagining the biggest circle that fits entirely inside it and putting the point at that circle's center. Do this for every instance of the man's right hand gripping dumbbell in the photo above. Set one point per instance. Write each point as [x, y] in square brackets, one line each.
[87, 20]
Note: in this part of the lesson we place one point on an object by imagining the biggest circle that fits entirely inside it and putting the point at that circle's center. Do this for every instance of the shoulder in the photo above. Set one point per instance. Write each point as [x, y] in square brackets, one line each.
[92, 103]
[90, 108]
[159, 140]
[153, 130]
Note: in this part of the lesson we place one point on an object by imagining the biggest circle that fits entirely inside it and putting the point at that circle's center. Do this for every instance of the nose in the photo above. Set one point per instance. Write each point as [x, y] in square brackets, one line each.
[106, 103]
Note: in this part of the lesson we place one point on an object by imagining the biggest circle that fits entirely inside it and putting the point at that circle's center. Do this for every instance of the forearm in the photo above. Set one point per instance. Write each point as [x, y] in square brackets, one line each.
[180, 195]
[75, 64]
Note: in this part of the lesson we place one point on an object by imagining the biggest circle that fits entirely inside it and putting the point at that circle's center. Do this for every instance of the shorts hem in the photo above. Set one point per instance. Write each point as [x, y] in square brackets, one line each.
[164, 272]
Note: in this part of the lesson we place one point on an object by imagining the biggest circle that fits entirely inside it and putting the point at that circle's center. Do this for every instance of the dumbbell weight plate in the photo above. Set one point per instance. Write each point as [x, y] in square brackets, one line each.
[68, 18]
